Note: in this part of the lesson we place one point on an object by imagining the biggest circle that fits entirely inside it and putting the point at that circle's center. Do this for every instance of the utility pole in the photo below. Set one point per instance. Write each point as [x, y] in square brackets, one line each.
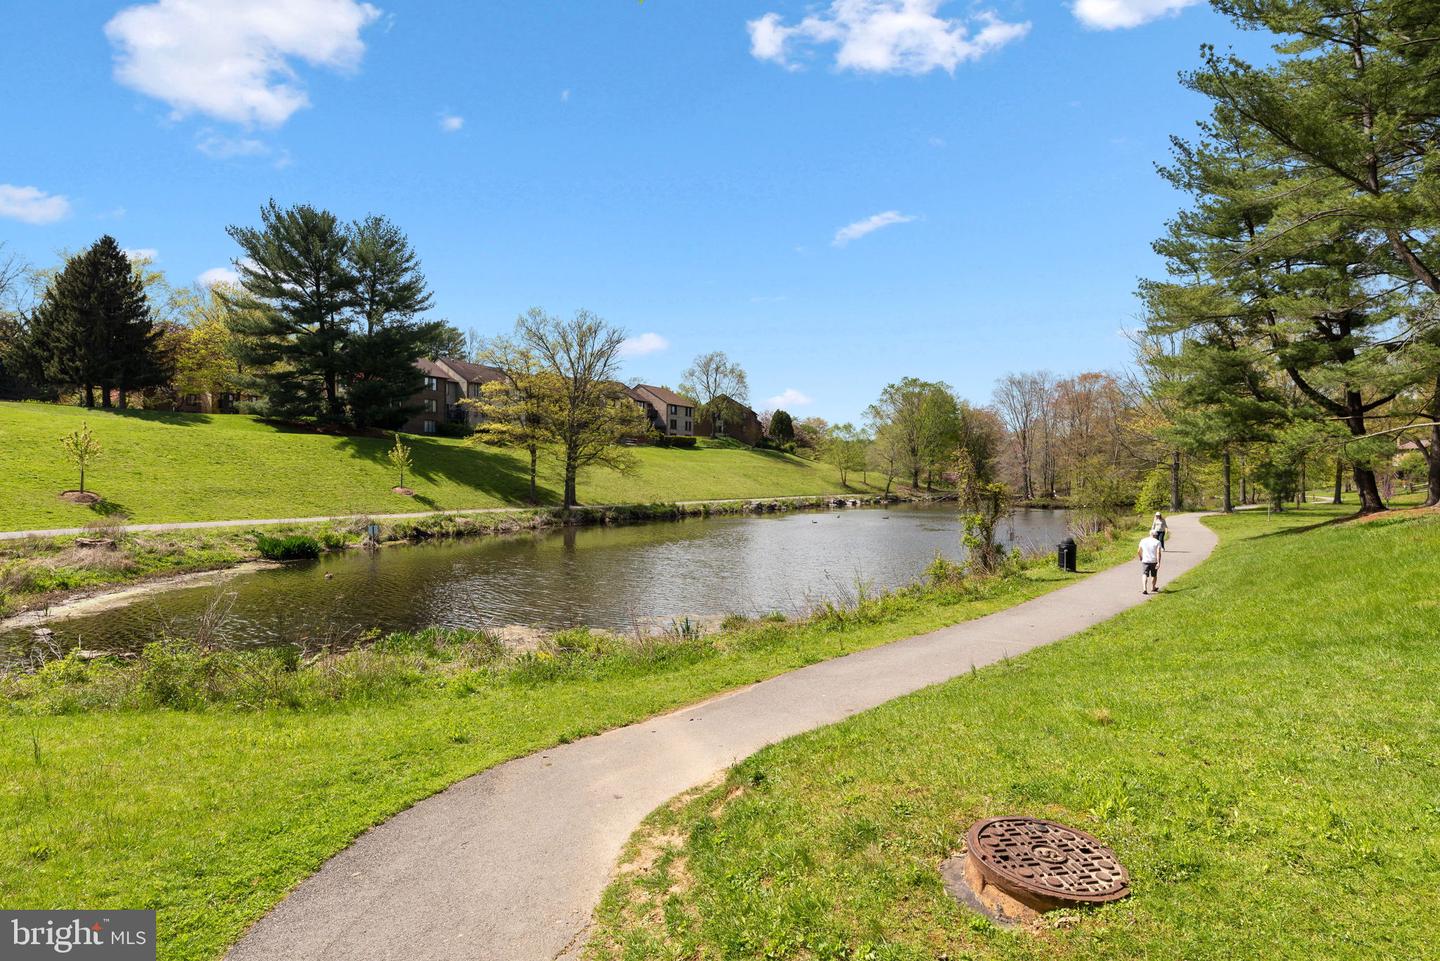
[1226, 506]
[1175, 482]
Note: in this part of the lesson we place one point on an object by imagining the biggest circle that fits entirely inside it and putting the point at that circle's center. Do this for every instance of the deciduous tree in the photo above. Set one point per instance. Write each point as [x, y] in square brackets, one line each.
[718, 386]
[593, 411]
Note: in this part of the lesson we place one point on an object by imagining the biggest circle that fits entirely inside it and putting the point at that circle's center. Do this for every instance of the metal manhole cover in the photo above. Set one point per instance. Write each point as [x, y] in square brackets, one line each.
[1046, 859]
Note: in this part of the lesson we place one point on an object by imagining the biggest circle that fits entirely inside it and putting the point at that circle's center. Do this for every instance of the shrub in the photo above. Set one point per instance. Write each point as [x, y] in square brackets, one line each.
[1154, 492]
[290, 547]
[664, 440]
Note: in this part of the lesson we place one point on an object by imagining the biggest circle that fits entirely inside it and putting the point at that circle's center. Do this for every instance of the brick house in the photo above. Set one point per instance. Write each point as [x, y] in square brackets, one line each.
[669, 413]
[447, 382]
[739, 422]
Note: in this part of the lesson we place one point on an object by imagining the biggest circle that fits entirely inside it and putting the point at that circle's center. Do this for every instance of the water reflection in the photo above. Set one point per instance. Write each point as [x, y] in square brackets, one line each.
[618, 577]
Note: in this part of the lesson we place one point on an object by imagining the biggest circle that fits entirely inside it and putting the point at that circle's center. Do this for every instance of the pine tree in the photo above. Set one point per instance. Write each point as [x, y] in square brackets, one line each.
[380, 358]
[133, 356]
[293, 309]
[93, 327]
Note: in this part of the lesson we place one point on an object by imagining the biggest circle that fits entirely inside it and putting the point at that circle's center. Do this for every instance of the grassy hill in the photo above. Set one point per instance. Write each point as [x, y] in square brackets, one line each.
[1258, 746]
[160, 466]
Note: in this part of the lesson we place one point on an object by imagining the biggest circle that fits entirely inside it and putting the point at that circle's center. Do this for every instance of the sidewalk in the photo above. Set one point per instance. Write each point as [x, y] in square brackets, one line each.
[509, 864]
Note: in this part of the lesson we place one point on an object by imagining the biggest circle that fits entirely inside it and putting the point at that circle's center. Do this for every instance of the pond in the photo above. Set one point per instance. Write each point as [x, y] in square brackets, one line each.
[635, 577]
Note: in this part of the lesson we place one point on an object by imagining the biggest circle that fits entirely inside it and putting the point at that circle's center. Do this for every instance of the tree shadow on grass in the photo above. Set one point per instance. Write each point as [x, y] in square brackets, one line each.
[501, 475]
[1306, 528]
[174, 418]
[111, 510]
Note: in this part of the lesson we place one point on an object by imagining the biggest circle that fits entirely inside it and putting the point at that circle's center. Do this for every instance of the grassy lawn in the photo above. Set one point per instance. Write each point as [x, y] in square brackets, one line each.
[161, 466]
[210, 814]
[1260, 746]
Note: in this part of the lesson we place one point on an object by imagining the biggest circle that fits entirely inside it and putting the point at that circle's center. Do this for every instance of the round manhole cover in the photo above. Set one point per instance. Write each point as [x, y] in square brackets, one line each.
[1046, 859]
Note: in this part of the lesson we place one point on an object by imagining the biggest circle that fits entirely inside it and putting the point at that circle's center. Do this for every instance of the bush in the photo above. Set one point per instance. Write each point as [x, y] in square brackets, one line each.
[288, 548]
[1154, 492]
[664, 440]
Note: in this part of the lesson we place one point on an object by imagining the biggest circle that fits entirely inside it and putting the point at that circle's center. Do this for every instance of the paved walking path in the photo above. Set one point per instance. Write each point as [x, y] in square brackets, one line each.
[509, 864]
[199, 525]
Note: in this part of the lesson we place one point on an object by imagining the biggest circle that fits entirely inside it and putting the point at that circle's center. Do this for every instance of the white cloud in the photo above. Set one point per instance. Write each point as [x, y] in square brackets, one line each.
[142, 253]
[234, 61]
[885, 36]
[867, 226]
[221, 147]
[1116, 14]
[450, 122]
[642, 344]
[218, 275]
[32, 205]
[787, 398]
[565, 95]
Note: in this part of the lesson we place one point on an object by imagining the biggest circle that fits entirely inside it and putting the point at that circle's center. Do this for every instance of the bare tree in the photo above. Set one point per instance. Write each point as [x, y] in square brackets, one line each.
[1019, 400]
[716, 383]
[593, 411]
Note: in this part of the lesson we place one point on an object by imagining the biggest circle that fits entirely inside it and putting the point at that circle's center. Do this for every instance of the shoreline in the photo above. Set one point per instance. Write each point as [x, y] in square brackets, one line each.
[415, 528]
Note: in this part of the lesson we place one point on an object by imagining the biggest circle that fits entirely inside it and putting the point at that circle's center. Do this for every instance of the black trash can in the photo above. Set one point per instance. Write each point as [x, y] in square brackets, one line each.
[1065, 554]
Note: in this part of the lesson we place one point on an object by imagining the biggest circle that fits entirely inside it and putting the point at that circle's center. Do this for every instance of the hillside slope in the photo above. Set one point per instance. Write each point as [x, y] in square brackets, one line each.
[160, 466]
[1258, 745]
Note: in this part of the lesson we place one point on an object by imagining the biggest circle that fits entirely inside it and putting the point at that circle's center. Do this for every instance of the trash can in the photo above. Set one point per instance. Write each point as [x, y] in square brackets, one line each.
[1065, 554]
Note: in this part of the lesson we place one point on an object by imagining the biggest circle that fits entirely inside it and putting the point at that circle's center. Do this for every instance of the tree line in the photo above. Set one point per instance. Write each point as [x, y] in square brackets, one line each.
[1298, 323]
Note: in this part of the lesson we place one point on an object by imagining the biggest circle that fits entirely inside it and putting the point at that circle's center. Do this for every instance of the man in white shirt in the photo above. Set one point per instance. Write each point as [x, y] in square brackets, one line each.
[1149, 554]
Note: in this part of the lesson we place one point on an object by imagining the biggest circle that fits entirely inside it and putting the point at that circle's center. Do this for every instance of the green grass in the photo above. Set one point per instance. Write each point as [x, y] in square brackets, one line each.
[1259, 745]
[210, 815]
[159, 466]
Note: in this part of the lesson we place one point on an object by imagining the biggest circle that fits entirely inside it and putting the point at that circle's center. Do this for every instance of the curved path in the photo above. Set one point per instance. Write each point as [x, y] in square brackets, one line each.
[509, 864]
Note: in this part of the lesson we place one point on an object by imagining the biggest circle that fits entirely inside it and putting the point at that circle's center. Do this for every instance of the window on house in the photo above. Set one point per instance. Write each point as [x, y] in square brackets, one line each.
[672, 423]
[431, 383]
[429, 427]
[474, 390]
[429, 406]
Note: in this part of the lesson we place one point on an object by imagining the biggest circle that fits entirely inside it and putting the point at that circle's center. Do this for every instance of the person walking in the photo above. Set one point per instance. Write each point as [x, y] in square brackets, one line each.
[1158, 528]
[1150, 551]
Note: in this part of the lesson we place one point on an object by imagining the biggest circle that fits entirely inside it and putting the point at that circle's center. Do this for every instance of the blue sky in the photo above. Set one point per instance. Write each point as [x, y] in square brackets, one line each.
[685, 170]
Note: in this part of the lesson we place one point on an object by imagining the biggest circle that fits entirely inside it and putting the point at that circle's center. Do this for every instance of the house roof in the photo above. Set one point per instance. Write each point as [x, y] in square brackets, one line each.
[731, 400]
[432, 369]
[663, 395]
[474, 373]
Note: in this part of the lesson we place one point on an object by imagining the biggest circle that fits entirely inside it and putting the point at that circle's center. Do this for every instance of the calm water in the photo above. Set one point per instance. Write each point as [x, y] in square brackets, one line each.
[641, 575]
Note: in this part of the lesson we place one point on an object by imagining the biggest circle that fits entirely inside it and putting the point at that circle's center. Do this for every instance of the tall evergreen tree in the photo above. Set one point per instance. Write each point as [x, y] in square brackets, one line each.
[293, 316]
[390, 291]
[93, 327]
[1308, 300]
[133, 358]
[1348, 112]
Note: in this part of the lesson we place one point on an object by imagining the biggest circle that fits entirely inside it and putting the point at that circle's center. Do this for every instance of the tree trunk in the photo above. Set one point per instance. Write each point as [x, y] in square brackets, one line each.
[1432, 488]
[105, 396]
[534, 458]
[1339, 481]
[1369, 491]
[571, 469]
[1225, 503]
[124, 401]
[90, 396]
[1175, 482]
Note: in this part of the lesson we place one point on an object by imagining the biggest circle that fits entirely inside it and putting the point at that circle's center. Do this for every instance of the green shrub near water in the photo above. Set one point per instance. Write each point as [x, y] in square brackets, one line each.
[292, 547]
